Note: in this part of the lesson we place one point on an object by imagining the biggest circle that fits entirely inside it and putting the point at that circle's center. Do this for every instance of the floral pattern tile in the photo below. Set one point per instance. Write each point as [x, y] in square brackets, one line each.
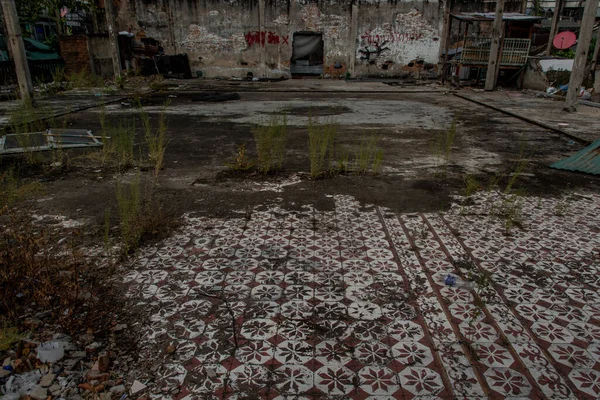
[352, 303]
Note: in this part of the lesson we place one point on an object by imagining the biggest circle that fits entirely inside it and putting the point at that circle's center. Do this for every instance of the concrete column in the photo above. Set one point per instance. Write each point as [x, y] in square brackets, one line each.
[261, 30]
[353, 38]
[554, 27]
[596, 51]
[492, 76]
[583, 44]
[112, 36]
[17, 49]
[445, 39]
[594, 67]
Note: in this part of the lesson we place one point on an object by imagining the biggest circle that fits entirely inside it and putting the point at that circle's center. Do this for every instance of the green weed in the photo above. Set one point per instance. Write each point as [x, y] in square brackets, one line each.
[156, 140]
[369, 155]
[321, 137]
[8, 337]
[14, 191]
[123, 138]
[141, 216]
[129, 202]
[270, 144]
[442, 146]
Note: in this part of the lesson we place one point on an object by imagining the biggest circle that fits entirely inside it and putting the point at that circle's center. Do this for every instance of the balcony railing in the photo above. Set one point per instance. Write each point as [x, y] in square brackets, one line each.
[514, 51]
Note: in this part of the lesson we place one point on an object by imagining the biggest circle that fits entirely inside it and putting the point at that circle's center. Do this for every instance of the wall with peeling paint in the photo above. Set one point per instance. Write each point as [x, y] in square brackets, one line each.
[233, 37]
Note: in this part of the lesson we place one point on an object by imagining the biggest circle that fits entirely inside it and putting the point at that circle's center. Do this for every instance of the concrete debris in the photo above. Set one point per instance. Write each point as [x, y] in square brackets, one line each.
[38, 393]
[47, 380]
[137, 387]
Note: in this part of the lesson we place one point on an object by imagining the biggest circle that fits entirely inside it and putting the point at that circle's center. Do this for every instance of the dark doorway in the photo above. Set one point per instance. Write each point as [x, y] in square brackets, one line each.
[307, 54]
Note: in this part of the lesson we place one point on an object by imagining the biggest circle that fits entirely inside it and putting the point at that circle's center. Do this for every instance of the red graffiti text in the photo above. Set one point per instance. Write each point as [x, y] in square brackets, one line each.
[261, 37]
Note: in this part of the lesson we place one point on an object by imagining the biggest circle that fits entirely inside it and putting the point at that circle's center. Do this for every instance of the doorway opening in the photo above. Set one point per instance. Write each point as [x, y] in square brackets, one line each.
[307, 54]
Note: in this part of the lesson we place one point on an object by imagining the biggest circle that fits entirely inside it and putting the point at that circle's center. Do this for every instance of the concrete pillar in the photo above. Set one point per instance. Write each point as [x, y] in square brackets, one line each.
[554, 27]
[113, 36]
[353, 39]
[261, 31]
[594, 62]
[17, 49]
[594, 67]
[583, 44]
[445, 32]
[492, 76]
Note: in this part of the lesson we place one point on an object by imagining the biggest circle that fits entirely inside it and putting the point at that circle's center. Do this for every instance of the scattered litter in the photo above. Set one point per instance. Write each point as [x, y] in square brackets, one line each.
[50, 352]
[562, 124]
[454, 281]
[586, 160]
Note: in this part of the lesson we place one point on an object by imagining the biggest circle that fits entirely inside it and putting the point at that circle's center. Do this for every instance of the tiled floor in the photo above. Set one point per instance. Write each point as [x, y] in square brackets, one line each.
[352, 303]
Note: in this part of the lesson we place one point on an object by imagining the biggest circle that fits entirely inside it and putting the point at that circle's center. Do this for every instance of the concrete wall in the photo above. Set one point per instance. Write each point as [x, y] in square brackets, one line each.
[101, 54]
[234, 37]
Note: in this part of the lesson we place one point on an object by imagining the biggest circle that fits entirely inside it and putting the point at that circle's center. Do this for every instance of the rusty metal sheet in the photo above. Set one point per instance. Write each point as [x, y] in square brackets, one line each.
[587, 160]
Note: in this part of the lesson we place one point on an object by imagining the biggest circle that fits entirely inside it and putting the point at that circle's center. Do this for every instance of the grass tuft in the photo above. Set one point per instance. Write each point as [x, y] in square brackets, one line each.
[270, 145]
[321, 137]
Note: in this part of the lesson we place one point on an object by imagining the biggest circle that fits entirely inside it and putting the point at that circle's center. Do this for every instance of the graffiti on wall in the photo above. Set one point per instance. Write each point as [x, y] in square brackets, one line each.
[200, 39]
[372, 52]
[410, 36]
[261, 38]
[393, 36]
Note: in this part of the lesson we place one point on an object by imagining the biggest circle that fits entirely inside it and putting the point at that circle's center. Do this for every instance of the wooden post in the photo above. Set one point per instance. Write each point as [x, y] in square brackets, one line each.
[491, 76]
[583, 44]
[17, 49]
[112, 36]
[554, 27]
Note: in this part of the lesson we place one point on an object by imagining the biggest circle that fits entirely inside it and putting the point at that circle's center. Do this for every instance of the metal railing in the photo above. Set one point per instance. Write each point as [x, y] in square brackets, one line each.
[514, 51]
[41, 71]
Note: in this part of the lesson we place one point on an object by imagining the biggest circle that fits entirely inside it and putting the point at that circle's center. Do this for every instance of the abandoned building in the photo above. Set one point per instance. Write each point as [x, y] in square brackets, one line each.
[282, 39]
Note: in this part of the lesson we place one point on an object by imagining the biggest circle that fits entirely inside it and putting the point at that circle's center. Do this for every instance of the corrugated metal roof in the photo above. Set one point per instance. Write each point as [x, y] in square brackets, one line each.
[586, 160]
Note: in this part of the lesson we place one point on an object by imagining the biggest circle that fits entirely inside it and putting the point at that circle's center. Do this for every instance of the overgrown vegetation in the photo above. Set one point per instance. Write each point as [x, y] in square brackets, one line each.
[42, 271]
[118, 141]
[141, 217]
[321, 137]
[14, 190]
[270, 142]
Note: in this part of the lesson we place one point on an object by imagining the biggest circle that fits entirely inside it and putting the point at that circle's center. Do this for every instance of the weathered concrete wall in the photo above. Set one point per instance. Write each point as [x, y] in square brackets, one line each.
[232, 38]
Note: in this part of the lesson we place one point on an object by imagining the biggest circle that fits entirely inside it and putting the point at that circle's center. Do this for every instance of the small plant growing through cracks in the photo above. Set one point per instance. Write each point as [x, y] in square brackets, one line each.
[270, 144]
[241, 162]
